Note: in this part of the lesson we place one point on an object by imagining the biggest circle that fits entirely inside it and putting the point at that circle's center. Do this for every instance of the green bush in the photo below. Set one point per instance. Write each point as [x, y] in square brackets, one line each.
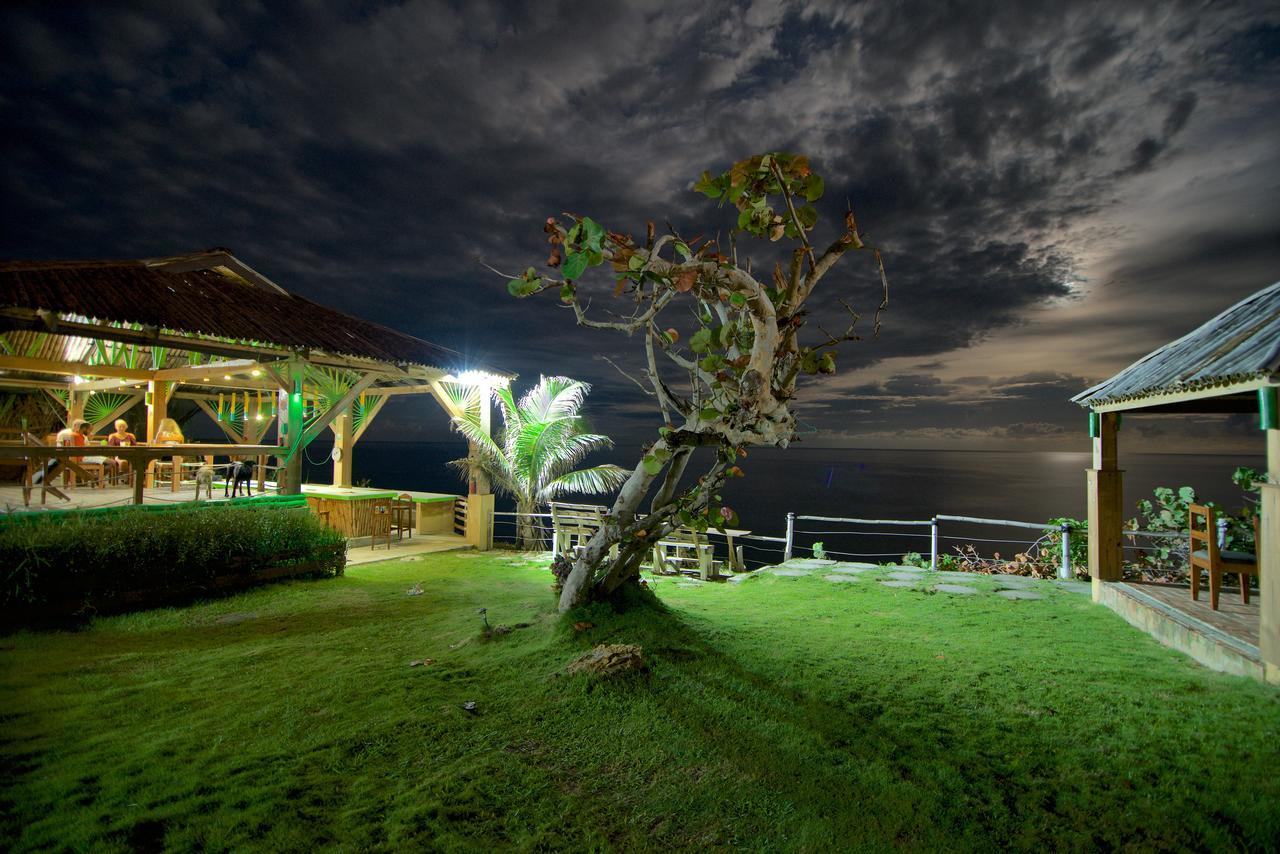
[94, 560]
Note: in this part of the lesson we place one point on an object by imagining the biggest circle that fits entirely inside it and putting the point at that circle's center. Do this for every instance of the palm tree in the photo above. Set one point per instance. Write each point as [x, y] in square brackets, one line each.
[542, 439]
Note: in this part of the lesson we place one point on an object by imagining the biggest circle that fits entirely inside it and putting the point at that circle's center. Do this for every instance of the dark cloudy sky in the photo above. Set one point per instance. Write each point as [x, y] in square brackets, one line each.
[1059, 187]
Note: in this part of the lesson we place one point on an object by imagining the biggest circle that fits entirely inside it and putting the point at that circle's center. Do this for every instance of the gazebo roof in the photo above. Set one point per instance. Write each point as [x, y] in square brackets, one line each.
[1235, 352]
[209, 297]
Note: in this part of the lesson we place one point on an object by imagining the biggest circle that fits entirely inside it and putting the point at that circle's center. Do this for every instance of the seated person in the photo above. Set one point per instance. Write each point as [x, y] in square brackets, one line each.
[77, 435]
[168, 433]
[120, 437]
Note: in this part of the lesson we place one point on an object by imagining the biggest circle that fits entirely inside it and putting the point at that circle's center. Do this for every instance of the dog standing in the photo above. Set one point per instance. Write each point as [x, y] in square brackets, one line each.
[204, 478]
[241, 473]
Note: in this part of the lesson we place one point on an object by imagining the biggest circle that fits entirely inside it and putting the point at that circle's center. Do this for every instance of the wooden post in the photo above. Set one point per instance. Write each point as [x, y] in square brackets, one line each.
[75, 405]
[480, 521]
[1105, 496]
[157, 411]
[478, 475]
[291, 427]
[1269, 562]
[344, 439]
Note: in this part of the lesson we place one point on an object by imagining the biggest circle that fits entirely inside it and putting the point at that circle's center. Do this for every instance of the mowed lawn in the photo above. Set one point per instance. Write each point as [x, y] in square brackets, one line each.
[780, 713]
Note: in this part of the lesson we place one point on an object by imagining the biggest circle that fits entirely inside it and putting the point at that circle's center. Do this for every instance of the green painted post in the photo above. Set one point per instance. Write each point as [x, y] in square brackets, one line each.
[1095, 425]
[1268, 408]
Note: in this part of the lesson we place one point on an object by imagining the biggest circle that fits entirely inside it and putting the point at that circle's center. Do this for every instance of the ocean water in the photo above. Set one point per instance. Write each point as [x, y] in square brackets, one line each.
[866, 483]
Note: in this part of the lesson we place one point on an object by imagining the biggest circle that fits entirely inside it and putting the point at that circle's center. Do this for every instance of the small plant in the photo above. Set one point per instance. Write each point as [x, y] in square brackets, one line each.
[818, 551]
[914, 559]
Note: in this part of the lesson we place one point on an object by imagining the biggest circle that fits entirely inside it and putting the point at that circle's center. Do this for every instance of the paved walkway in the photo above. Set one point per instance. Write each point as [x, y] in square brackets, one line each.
[1012, 587]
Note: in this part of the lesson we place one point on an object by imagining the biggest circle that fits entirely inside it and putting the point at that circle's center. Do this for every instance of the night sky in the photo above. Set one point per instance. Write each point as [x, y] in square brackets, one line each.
[1058, 187]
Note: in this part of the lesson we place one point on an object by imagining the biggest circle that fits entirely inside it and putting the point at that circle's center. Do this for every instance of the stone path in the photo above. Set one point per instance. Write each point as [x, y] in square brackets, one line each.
[1012, 587]
[958, 589]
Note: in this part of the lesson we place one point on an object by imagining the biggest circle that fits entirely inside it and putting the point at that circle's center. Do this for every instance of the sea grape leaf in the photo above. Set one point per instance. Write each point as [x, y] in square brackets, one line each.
[575, 263]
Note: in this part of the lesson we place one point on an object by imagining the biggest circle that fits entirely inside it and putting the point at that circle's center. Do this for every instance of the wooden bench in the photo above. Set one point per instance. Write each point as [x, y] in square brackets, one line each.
[574, 524]
[685, 550]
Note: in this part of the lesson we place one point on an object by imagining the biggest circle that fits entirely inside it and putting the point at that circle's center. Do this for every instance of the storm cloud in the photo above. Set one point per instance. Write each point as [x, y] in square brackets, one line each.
[1016, 163]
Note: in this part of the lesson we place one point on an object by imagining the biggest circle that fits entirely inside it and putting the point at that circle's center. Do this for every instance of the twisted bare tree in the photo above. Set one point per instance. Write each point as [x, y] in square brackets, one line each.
[736, 373]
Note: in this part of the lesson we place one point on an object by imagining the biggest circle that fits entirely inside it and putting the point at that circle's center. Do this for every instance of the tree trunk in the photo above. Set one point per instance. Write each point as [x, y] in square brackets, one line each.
[526, 528]
[621, 530]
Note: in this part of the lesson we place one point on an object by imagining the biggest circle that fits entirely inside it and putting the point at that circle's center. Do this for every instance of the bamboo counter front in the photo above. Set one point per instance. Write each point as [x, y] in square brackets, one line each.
[350, 509]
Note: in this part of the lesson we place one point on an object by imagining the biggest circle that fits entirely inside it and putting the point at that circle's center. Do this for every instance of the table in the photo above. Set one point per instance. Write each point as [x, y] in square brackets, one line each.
[735, 559]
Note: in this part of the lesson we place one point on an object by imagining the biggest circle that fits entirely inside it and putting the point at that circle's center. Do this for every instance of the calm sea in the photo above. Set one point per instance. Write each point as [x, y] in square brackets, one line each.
[1026, 486]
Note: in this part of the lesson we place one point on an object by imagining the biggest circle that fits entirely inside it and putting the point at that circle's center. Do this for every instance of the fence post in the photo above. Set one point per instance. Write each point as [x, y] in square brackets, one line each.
[933, 543]
[1064, 570]
[791, 533]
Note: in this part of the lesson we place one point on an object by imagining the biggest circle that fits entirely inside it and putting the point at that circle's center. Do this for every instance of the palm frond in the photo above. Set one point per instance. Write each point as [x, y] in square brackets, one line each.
[603, 478]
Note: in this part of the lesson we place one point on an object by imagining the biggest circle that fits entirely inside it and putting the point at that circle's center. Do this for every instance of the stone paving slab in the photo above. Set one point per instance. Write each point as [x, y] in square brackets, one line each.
[791, 573]
[898, 583]
[907, 575]
[848, 565]
[1018, 594]
[957, 589]
[1075, 586]
[809, 563]
[844, 576]
[1019, 582]
[846, 569]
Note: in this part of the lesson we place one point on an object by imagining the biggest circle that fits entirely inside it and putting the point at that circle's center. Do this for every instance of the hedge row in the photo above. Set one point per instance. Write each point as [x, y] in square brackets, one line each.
[86, 563]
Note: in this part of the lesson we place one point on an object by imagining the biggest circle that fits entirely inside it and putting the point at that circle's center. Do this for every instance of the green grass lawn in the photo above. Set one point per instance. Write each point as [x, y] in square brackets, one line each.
[780, 713]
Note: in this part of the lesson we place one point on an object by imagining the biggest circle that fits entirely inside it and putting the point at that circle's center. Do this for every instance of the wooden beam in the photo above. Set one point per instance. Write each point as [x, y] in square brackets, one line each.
[118, 411]
[209, 369]
[318, 426]
[83, 369]
[446, 402]
[370, 413]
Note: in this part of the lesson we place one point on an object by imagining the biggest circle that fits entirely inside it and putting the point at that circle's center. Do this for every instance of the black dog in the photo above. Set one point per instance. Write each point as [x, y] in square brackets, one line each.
[241, 472]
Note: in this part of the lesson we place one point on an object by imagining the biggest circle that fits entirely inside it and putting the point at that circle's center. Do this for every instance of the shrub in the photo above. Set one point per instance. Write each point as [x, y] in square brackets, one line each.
[99, 562]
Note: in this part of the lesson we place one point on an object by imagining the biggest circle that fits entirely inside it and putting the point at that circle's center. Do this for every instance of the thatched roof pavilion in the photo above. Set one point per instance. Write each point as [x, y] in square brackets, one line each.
[208, 327]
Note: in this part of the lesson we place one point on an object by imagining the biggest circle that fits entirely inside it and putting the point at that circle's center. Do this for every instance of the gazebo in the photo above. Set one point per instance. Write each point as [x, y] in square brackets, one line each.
[101, 336]
[1231, 364]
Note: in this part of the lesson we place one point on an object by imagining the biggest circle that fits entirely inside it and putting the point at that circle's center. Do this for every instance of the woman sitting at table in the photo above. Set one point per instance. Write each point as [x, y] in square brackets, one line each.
[168, 433]
[122, 436]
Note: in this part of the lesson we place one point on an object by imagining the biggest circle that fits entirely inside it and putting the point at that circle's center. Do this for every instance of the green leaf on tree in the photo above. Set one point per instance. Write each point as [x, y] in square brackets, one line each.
[737, 300]
[707, 186]
[701, 341]
[683, 249]
[592, 233]
[813, 188]
[709, 413]
[575, 263]
[652, 465]
[808, 215]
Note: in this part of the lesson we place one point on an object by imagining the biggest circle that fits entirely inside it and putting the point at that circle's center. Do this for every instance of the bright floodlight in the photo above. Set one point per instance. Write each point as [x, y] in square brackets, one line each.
[476, 378]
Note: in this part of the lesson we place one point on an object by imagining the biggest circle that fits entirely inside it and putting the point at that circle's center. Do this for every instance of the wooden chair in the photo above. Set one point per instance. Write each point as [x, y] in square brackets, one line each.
[685, 550]
[381, 522]
[1209, 556]
[402, 511]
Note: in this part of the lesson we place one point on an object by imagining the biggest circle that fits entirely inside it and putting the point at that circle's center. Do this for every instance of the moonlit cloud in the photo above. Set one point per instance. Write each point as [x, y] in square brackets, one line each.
[1058, 187]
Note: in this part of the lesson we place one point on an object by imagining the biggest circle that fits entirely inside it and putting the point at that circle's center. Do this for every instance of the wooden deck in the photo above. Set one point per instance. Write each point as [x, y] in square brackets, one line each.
[1226, 639]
